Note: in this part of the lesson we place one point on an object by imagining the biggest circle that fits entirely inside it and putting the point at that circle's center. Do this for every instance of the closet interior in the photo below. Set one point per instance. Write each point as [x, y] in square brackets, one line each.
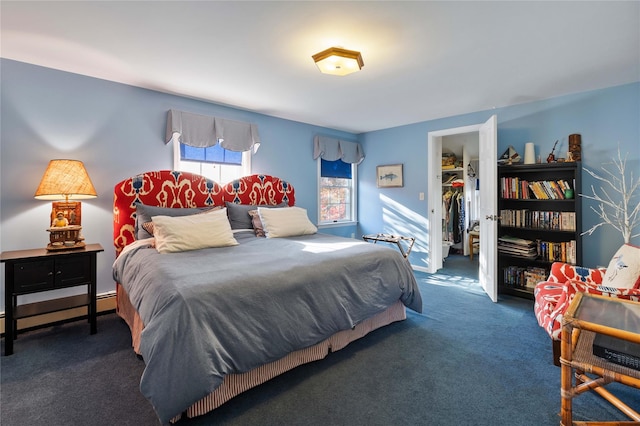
[460, 193]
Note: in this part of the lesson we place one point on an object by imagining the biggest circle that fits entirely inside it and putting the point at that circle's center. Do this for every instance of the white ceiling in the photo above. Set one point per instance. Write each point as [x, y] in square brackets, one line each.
[423, 60]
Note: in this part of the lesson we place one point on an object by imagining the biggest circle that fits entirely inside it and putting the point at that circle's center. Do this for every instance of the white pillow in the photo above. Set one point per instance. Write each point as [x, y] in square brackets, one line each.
[286, 222]
[624, 268]
[183, 233]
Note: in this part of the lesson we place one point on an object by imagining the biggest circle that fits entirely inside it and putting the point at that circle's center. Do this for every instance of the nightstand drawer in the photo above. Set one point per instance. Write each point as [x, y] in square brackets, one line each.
[33, 276]
[72, 271]
[50, 274]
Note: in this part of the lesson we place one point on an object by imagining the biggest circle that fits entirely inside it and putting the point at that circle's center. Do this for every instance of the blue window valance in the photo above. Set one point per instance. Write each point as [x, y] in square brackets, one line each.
[203, 131]
[331, 149]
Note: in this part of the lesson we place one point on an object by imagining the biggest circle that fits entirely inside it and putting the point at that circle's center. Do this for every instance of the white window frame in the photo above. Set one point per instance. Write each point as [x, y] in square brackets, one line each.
[354, 199]
[217, 172]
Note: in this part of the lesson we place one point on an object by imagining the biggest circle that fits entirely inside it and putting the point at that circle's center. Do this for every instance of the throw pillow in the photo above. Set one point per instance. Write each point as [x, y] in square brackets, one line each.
[624, 268]
[174, 212]
[286, 222]
[239, 214]
[145, 212]
[183, 233]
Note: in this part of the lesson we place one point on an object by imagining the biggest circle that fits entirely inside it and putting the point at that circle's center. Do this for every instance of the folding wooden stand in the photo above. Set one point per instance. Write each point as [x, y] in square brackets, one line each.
[394, 239]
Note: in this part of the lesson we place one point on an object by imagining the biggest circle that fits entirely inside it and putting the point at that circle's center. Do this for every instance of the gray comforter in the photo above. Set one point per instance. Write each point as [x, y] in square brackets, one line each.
[211, 312]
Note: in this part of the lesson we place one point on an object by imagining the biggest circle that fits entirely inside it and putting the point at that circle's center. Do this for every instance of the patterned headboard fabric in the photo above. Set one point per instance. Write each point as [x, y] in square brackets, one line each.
[259, 189]
[166, 188]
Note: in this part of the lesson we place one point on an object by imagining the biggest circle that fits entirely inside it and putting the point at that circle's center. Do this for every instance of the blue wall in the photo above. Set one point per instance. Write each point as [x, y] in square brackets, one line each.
[604, 118]
[118, 131]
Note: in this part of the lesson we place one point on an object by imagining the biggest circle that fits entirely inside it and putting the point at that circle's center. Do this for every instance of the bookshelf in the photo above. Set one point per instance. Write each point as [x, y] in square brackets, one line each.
[540, 222]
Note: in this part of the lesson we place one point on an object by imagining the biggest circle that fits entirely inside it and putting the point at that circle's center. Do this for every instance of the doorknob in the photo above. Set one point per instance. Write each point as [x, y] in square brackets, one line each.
[493, 217]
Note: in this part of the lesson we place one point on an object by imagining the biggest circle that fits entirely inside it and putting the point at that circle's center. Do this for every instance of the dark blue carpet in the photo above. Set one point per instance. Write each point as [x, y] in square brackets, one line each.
[465, 361]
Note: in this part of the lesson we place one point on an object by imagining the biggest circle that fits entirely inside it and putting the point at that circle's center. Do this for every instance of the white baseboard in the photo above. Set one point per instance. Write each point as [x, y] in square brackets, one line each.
[420, 268]
[105, 302]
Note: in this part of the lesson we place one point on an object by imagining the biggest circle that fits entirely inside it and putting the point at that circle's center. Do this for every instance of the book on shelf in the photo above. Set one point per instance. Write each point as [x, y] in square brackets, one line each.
[514, 240]
[524, 189]
[514, 188]
[524, 277]
[568, 221]
[539, 191]
[553, 220]
[563, 251]
[558, 192]
[549, 190]
[533, 275]
[564, 185]
[517, 188]
[518, 247]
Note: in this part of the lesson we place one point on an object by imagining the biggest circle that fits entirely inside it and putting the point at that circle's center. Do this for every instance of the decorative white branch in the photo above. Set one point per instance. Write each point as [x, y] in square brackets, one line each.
[617, 206]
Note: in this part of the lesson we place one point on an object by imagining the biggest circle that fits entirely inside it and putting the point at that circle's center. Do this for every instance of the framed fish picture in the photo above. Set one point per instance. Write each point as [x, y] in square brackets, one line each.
[389, 176]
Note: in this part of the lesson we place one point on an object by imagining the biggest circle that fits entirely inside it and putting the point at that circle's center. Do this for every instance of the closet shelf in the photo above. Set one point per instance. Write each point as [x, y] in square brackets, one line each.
[449, 175]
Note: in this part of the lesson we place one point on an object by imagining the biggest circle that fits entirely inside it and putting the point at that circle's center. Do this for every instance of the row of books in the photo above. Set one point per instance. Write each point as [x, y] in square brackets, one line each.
[549, 251]
[516, 188]
[525, 277]
[564, 251]
[535, 219]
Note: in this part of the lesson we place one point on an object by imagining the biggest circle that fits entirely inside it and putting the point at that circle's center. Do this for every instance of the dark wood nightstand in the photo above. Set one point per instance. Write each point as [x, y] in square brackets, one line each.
[38, 270]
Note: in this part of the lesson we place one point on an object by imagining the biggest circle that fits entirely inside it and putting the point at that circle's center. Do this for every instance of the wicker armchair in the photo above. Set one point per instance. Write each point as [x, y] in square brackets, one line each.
[553, 297]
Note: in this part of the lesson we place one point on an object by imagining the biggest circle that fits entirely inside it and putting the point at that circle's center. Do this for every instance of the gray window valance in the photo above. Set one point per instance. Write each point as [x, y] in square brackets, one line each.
[203, 130]
[331, 149]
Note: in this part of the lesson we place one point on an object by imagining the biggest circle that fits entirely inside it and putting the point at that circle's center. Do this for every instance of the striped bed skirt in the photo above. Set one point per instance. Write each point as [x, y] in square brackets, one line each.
[234, 384]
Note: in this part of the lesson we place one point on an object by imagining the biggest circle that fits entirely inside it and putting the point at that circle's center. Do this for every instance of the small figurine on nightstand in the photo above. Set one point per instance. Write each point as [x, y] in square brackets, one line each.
[60, 221]
[62, 235]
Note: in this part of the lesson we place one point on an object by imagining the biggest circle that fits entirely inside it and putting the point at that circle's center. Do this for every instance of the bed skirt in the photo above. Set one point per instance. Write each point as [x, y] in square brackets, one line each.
[234, 384]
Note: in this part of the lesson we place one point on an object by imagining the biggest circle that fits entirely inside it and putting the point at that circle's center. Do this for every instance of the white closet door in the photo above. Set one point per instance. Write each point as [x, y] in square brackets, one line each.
[488, 208]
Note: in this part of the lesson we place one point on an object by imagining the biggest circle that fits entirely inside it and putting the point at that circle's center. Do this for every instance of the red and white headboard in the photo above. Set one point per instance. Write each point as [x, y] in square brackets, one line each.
[259, 189]
[166, 188]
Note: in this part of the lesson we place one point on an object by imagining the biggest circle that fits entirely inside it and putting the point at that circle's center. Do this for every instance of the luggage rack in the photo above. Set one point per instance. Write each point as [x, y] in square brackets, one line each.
[394, 239]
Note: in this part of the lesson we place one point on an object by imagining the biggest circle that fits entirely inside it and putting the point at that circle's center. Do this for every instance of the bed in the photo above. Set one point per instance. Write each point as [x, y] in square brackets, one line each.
[215, 321]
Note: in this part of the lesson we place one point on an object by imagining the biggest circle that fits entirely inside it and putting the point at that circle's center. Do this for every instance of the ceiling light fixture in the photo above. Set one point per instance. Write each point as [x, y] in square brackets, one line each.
[338, 61]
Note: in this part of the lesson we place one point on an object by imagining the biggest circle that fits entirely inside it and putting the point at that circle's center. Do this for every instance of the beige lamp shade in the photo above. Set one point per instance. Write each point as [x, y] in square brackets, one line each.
[338, 61]
[65, 180]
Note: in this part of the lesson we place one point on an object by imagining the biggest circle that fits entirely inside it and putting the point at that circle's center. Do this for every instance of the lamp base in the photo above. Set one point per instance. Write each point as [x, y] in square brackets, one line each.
[71, 212]
[76, 245]
[65, 237]
[64, 233]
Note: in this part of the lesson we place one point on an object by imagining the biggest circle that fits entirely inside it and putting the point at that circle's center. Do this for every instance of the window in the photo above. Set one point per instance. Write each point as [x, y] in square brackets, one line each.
[213, 162]
[337, 189]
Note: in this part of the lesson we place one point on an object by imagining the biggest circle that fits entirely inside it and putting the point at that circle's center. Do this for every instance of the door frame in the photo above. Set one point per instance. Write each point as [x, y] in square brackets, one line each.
[434, 152]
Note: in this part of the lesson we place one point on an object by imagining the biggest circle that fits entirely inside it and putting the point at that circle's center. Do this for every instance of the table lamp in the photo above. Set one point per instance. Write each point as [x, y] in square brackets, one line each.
[66, 180]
